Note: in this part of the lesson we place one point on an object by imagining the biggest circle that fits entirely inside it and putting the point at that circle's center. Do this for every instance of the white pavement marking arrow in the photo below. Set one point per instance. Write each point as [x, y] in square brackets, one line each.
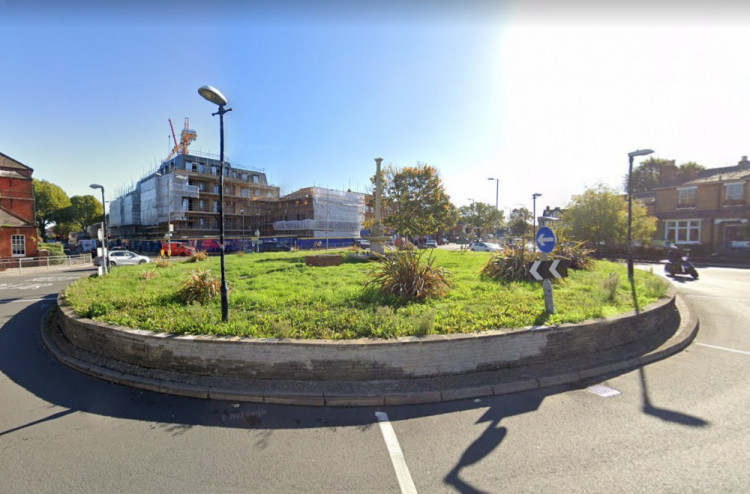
[553, 269]
[533, 269]
[542, 240]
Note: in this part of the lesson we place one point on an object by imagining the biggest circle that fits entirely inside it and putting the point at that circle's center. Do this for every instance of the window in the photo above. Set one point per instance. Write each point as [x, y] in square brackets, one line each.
[216, 188]
[216, 206]
[686, 197]
[18, 245]
[734, 192]
[255, 179]
[683, 231]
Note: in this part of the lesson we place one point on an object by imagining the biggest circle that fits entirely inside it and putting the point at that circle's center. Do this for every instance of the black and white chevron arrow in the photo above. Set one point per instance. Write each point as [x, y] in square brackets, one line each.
[546, 270]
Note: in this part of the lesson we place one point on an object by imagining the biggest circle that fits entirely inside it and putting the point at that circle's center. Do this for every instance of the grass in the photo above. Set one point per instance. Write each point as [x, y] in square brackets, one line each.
[275, 295]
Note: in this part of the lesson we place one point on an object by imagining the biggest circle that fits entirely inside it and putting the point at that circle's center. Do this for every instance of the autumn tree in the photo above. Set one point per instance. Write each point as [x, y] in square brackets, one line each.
[599, 217]
[414, 201]
[51, 204]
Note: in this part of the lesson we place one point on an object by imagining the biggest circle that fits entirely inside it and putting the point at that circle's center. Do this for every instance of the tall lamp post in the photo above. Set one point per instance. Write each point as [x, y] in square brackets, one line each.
[104, 227]
[497, 191]
[533, 220]
[640, 152]
[214, 96]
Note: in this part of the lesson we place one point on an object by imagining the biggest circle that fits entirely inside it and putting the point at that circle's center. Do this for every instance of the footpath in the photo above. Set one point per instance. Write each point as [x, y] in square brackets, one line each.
[583, 370]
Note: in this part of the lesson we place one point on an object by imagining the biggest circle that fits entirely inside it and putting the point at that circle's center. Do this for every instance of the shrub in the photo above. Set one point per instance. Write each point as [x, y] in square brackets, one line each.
[403, 274]
[162, 263]
[510, 264]
[200, 287]
[240, 253]
[578, 255]
[149, 275]
[609, 286]
[200, 255]
[406, 245]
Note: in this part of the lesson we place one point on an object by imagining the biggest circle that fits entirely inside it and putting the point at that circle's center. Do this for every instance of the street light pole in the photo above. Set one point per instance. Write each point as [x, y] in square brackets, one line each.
[497, 191]
[533, 220]
[214, 96]
[104, 227]
[631, 155]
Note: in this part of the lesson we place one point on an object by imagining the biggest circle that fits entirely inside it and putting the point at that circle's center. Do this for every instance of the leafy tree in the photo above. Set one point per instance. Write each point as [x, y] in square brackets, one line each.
[656, 171]
[519, 222]
[481, 216]
[599, 217]
[414, 201]
[51, 204]
[85, 211]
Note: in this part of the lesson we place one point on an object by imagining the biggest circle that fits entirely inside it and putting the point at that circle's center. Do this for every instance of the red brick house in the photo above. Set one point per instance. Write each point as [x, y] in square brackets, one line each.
[18, 235]
[708, 213]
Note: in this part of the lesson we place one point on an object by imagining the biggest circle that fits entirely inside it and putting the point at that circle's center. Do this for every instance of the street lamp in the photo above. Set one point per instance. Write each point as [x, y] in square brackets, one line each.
[640, 152]
[497, 190]
[533, 220]
[214, 96]
[104, 227]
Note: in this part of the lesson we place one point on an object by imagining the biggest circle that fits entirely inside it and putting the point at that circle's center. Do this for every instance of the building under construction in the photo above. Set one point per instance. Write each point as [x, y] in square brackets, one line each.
[182, 197]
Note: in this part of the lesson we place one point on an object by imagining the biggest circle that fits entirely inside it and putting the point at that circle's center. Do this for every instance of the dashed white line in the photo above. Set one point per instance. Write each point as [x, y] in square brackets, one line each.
[397, 456]
[724, 348]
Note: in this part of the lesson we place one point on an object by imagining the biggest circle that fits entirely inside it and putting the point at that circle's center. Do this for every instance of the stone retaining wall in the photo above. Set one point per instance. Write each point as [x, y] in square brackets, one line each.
[366, 359]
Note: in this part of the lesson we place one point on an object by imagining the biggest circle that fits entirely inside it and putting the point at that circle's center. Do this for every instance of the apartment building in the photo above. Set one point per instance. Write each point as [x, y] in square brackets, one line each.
[708, 213]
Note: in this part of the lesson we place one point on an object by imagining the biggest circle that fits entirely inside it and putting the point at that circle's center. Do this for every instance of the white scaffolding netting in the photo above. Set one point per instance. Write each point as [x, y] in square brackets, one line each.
[335, 214]
[163, 196]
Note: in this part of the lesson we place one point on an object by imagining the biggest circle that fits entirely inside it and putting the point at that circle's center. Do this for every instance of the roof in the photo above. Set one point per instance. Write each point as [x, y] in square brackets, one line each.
[7, 218]
[740, 171]
[8, 162]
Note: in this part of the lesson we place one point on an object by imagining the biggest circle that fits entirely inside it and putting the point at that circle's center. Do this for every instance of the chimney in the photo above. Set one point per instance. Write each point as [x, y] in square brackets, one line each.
[744, 164]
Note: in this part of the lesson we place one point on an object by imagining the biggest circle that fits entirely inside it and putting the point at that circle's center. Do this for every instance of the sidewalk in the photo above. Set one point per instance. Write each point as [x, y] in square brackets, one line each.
[374, 393]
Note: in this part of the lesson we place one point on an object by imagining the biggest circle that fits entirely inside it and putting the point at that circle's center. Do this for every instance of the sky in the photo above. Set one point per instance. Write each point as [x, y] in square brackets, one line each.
[547, 97]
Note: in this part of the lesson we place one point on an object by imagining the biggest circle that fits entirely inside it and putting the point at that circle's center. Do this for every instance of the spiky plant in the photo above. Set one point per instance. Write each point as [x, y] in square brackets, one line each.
[402, 273]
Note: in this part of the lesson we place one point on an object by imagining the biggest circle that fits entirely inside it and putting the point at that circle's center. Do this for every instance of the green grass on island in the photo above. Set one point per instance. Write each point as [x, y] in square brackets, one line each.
[276, 295]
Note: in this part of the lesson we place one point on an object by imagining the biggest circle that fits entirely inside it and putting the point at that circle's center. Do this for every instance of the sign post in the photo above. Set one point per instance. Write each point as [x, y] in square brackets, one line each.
[546, 240]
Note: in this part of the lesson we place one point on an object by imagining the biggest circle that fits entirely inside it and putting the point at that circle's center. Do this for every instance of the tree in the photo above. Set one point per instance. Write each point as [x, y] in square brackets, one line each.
[656, 171]
[85, 211]
[518, 222]
[414, 201]
[599, 217]
[51, 204]
[481, 216]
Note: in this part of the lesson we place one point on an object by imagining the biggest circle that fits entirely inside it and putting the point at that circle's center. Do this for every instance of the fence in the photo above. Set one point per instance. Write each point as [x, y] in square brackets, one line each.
[44, 263]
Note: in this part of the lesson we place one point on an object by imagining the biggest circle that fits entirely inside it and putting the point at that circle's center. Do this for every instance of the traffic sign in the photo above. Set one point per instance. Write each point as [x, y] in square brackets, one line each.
[547, 270]
[545, 239]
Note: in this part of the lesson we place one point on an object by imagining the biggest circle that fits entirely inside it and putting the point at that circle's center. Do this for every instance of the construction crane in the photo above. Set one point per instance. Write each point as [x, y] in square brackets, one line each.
[186, 137]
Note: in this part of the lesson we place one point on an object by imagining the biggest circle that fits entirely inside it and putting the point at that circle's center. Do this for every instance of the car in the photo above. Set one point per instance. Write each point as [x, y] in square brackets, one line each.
[177, 248]
[273, 246]
[362, 243]
[122, 258]
[432, 244]
[485, 247]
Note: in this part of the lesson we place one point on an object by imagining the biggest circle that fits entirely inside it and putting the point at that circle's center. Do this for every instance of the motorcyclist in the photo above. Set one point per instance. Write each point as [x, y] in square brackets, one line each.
[675, 254]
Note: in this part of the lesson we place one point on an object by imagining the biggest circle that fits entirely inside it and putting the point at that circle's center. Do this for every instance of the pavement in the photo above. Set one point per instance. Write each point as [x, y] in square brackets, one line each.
[586, 368]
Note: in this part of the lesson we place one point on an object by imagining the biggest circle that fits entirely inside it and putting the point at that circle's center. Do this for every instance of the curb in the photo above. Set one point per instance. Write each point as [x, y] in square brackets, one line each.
[522, 379]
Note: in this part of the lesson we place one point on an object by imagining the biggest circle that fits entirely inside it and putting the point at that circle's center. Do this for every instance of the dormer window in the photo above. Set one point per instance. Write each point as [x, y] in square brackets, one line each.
[686, 197]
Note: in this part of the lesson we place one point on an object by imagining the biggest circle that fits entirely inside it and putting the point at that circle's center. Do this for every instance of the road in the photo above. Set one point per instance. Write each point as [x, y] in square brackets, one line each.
[679, 425]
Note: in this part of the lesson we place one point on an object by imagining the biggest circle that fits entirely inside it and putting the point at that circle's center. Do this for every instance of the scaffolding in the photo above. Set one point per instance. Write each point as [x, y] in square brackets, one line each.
[164, 197]
[335, 214]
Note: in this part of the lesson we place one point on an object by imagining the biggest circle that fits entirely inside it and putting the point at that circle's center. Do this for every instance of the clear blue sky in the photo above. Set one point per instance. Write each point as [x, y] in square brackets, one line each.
[547, 96]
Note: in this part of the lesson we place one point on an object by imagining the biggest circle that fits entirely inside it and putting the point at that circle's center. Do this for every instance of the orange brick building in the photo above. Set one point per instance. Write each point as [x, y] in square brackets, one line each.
[18, 235]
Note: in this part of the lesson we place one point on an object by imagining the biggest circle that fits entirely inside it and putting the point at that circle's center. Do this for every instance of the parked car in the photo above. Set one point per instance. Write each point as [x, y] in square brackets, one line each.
[273, 246]
[122, 258]
[485, 247]
[362, 243]
[431, 244]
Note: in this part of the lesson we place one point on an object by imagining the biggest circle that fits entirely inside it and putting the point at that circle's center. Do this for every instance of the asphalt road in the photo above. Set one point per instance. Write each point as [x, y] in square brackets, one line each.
[679, 425]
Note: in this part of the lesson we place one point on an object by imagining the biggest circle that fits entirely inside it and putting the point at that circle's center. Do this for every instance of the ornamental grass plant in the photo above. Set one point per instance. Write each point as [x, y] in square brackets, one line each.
[276, 295]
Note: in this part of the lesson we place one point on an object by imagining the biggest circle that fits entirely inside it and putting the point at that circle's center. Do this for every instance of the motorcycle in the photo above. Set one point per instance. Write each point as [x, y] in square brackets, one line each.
[683, 267]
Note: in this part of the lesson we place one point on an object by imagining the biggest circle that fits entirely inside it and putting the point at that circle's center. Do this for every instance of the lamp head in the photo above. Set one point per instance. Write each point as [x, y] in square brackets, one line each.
[96, 186]
[536, 194]
[640, 152]
[213, 95]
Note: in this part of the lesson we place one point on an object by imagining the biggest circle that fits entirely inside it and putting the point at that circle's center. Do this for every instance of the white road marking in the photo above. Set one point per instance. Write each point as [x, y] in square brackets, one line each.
[603, 390]
[397, 456]
[724, 348]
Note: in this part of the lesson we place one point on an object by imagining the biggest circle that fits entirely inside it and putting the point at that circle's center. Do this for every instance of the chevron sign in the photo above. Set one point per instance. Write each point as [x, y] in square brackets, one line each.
[547, 270]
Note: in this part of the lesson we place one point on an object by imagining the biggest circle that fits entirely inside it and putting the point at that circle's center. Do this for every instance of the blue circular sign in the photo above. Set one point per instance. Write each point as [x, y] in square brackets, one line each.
[545, 239]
